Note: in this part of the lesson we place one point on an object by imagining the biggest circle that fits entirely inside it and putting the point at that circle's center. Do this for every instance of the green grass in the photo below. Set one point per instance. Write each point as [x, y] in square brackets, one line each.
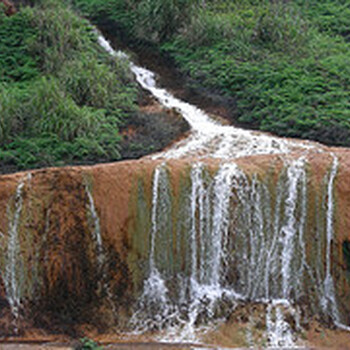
[62, 99]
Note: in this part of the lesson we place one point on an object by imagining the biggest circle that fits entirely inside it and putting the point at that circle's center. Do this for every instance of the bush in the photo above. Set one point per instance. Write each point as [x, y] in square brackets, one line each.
[148, 20]
[70, 109]
[87, 344]
[281, 27]
[94, 83]
[61, 35]
[16, 62]
[12, 111]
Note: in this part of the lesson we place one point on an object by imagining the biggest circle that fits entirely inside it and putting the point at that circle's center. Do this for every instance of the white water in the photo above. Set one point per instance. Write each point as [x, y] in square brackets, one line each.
[279, 333]
[290, 229]
[329, 302]
[96, 229]
[13, 278]
[208, 138]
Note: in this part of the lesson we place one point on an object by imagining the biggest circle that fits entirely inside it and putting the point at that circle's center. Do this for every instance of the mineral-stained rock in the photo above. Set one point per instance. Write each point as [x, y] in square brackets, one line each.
[75, 241]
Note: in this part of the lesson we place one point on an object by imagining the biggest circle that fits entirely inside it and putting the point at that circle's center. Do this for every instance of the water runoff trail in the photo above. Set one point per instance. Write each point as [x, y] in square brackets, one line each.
[268, 253]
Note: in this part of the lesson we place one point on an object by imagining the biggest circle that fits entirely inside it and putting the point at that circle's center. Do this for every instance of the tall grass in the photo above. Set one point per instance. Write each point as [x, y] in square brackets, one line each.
[93, 83]
[148, 20]
[71, 107]
[61, 35]
[16, 62]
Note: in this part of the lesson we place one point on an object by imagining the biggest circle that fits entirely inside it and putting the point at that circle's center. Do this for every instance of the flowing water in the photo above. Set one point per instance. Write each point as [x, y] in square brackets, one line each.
[246, 243]
[13, 264]
[208, 138]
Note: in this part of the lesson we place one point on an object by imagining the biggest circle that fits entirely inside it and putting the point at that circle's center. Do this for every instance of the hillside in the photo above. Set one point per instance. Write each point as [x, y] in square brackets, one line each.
[284, 64]
[63, 100]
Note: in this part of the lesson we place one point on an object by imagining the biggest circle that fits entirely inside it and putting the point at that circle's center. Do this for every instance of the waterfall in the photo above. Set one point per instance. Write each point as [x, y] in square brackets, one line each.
[246, 234]
[155, 309]
[328, 300]
[96, 228]
[290, 229]
[201, 241]
[279, 333]
[246, 243]
[13, 266]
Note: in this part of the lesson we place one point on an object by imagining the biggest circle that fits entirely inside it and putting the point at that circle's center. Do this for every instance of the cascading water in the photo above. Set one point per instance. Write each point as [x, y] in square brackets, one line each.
[155, 309]
[13, 266]
[246, 238]
[212, 238]
[209, 139]
[329, 302]
[96, 228]
[245, 244]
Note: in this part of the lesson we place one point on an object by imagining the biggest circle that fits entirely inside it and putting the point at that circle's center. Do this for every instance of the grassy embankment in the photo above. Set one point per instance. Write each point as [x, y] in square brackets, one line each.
[285, 63]
[63, 100]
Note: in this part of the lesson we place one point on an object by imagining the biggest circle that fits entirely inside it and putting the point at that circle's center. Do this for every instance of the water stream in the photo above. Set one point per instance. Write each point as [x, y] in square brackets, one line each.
[209, 138]
[14, 269]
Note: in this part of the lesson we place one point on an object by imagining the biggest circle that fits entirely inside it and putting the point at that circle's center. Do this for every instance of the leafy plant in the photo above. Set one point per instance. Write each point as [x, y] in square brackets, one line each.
[88, 344]
[16, 62]
[70, 108]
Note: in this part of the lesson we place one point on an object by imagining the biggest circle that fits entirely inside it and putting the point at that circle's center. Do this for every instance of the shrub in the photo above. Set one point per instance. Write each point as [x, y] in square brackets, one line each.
[12, 111]
[93, 83]
[16, 62]
[70, 110]
[148, 20]
[87, 344]
[61, 35]
[285, 75]
[281, 27]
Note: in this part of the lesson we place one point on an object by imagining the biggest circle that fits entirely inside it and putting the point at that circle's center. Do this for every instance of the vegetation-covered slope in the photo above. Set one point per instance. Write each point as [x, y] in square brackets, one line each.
[63, 100]
[286, 63]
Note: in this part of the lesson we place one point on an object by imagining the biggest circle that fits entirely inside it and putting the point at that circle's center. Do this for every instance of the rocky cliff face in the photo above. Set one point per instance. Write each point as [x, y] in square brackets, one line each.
[76, 242]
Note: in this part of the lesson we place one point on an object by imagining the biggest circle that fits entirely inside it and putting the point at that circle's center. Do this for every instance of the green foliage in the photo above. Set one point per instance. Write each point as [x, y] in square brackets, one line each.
[61, 35]
[50, 110]
[41, 126]
[16, 62]
[88, 344]
[11, 111]
[122, 13]
[148, 20]
[285, 63]
[285, 75]
[158, 20]
[281, 27]
[331, 16]
[71, 105]
[98, 84]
